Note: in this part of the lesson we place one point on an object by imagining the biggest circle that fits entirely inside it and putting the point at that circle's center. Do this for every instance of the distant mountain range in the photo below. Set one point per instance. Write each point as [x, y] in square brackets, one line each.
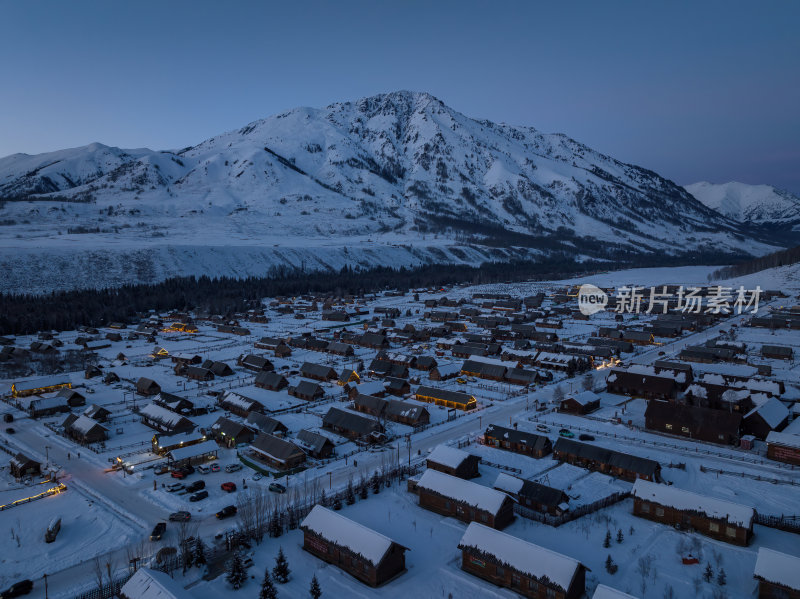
[396, 178]
[757, 205]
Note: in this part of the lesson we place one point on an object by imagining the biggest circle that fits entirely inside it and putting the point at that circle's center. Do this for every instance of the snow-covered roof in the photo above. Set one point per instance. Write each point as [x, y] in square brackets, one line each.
[192, 451]
[151, 584]
[777, 567]
[680, 499]
[585, 397]
[83, 424]
[448, 456]
[456, 488]
[784, 439]
[604, 592]
[521, 555]
[446, 369]
[509, 484]
[42, 382]
[347, 533]
[163, 415]
[238, 400]
[772, 411]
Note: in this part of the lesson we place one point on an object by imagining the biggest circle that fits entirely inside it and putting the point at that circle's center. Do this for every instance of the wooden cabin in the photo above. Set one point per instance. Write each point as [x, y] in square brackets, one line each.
[464, 500]
[454, 462]
[511, 439]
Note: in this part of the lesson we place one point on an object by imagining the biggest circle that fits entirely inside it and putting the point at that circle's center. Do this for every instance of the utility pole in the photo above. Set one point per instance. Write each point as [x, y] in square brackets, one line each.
[45, 587]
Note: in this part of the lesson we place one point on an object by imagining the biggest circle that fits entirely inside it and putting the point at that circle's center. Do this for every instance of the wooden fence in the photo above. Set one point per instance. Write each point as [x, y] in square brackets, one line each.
[571, 515]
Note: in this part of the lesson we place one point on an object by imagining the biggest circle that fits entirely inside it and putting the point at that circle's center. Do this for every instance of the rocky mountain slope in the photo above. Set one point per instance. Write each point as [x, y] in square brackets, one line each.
[396, 178]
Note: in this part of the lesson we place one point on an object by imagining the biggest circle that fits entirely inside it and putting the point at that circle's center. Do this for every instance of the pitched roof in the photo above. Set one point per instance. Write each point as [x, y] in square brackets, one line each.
[337, 529]
[311, 441]
[522, 556]
[275, 448]
[349, 421]
[151, 584]
[448, 456]
[607, 456]
[458, 489]
[779, 568]
[513, 435]
[680, 499]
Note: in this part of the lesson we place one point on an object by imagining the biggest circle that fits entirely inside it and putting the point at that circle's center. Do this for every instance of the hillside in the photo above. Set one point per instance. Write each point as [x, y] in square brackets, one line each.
[396, 178]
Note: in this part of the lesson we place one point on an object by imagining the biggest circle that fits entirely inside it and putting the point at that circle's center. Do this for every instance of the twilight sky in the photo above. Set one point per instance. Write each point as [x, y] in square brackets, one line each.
[693, 90]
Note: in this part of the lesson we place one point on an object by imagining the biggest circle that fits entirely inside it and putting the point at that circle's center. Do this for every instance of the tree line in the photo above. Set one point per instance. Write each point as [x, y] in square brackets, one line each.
[773, 260]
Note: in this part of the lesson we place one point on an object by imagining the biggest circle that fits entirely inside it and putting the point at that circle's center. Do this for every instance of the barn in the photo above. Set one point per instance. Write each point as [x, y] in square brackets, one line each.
[454, 462]
[715, 518]
[464, 500]
[527, 569]
[362, 552]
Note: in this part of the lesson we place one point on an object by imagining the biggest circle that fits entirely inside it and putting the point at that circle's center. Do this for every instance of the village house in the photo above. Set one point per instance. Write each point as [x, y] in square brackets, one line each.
[607, 461]
[694, 422]
[446, 398]
[266, 424]
[276, 452]
[533, 495]
[454, 462]
[147, 387]
[164, 443]
[41, 385]
[230, 433]
[96, 412]
[315, 444]
[352, 426]
[778, 574]
[318, 372]
[164, 420]
[715, 518]
[769, 416]
[527, 569]
[443, 372]
[397, 386]
[218, 368]
[21, 466]
[152, 584]
[464, 500]
[403, 412]
[784, 447]
[637, 384]
[307, 390]
[363, 553]
[84, 429]
[374, 388]
[194, 373]
[255, 363]
[238, 404]
[348, 375]
[511, 439]
[777, 352]
[584, 402]
[272, 381]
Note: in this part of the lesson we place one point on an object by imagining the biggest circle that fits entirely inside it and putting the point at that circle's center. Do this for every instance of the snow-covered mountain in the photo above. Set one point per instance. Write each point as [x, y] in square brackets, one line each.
[396, 178]
[750, 204]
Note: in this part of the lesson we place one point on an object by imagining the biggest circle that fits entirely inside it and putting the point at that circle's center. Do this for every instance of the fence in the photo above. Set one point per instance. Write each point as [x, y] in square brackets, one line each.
[571, 515]
[108, 591]
[774, 481]
[787, 523]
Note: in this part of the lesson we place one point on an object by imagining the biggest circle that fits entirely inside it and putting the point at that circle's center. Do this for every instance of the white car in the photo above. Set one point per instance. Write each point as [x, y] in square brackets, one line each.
[204, 469]
[233, 467]
[172, 487]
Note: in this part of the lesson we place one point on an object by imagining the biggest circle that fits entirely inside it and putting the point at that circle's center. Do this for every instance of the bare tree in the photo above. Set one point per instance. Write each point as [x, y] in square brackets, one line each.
[558, 394]
[99, 572]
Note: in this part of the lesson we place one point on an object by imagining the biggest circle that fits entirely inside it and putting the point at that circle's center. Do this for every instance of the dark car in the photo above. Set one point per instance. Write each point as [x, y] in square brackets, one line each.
[199, 496]
[227, 511]
[229, 487]
[188, 469]
[8, 417]
[158, 531]
[277, 488]
[585, 437]
[23, 587]
[180, 517]
[196, 486]
[10, 431]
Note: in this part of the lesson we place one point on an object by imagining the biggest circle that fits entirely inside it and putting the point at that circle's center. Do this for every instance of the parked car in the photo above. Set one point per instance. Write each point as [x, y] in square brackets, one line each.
[158, 531]
[179, 474]
[277, 488]
[162, 469]
[180, 517]
[10, 431]
[188, 469]
[200, 495]
[172, 487]
[233, 467]
[585, 437]
[543, 428]
[227, 511]
[196, 486]
[203, 469]
[8, 417]
[258, 476]
[461, 381]
[214, 467]
[23, 587]
[565, 432]
[228, 487]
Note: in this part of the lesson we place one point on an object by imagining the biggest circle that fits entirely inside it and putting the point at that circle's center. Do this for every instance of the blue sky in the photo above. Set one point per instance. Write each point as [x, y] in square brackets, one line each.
[693, 90]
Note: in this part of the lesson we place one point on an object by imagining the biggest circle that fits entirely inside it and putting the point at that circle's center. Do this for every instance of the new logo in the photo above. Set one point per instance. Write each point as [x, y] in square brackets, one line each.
[591, 299]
